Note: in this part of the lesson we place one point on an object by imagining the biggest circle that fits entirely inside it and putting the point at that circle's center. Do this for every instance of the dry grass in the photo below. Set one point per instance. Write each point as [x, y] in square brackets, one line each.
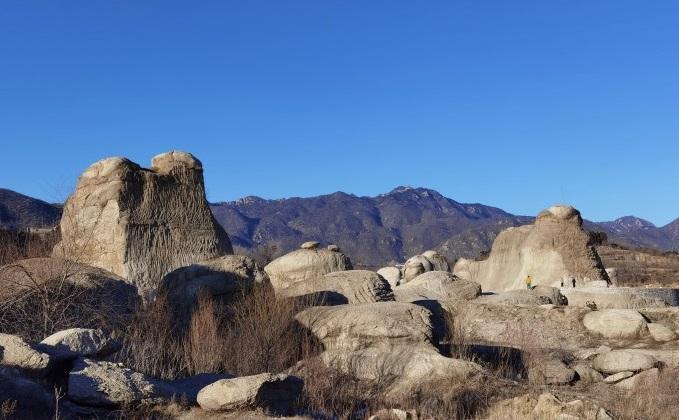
[257, 333]
[651, 399]
[19, 245]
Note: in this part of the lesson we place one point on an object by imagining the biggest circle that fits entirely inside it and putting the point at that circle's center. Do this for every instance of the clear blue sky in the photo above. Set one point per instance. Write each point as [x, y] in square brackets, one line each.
[517, 104]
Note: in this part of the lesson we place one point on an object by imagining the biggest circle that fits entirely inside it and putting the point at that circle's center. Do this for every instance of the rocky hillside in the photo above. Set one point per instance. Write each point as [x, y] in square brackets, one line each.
[18, 211]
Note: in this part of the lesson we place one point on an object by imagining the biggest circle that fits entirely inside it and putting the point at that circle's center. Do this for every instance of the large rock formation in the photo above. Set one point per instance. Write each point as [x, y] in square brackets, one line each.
[141, 223]
[339, 287]
[553, 249]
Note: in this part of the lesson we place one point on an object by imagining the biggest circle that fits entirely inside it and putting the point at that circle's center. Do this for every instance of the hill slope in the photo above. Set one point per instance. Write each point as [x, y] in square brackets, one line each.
[18, 211]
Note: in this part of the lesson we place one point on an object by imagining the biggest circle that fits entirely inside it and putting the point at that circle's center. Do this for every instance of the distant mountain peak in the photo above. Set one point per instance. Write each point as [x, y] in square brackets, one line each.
[632, 222]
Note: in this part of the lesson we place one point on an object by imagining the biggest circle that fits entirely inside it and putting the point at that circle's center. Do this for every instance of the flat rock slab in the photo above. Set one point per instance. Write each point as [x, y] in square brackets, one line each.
[78, 342]
[620, 361]
[106, 384]
[617, 377]
[615, 323]
[273, 393]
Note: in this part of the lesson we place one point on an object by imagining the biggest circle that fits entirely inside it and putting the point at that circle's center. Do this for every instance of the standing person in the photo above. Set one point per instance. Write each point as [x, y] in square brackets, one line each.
[573, 282]
[562, 282]
[529, 280]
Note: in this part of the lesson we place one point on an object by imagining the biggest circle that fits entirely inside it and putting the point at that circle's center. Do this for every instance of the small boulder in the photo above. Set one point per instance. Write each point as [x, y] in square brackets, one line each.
[615, 323]
[550, 371]
[587, 374]
[414, 267]
[645, 378]
[438, 261]
[394, 414]
[437, 285]
[617, 377]
[106, 384]
[661, 333]
[78, 342]
[273, 393]
[391, 275]
[616, 361]
[310, 245]
[17, 353]
[334, 248]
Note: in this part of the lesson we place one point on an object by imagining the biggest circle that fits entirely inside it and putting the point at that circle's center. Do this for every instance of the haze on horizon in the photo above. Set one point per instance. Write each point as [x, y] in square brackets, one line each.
[515, 106]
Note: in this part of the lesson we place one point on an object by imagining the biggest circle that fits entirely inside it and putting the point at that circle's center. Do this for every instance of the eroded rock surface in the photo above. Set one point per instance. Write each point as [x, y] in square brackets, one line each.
[304, 265]
[553, 249]
[141, 223]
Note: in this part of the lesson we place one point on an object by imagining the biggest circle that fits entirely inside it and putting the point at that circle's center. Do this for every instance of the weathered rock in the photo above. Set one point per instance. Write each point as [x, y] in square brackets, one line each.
[616, 361]
[274, 393]
[587, 374]
[78, 342]
[334, 248]
[391, 274]
[543, 369]
[141, 223]
[546, 406]
[304, 265]
[615, 323]
[556, 246]
[32, 400]
[661, 333]
[438, 261]
[17, 353]
[437, 285]
[310, 245]
[620, 297]
[645, 378]
[187, 389]
[106, 384]
[383, 340]
[414, 267]
[219, 277]
[617, 377]
[339, 287]
[383, 325]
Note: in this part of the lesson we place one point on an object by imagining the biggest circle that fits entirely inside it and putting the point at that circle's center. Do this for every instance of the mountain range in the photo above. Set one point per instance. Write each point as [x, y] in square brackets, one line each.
[374, 231]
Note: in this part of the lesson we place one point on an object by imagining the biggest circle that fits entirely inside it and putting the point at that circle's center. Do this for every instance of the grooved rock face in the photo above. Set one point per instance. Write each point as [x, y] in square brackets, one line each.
[339, 287]
[553, 249]
[141, 223]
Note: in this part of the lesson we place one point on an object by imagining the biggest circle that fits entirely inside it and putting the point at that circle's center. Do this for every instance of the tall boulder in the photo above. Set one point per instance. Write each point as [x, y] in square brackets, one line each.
[141, 223]
[554, 248]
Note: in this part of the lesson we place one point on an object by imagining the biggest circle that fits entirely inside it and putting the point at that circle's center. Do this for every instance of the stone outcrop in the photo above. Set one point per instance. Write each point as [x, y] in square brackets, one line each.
[437, 285]
[304, 265]
[553, 249]
[141, 223]
[219, 277]
[275, 394]
[339, 287]
[386, 340]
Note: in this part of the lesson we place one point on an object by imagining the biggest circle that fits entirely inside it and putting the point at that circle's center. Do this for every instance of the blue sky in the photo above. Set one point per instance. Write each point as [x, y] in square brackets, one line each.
[515, 104]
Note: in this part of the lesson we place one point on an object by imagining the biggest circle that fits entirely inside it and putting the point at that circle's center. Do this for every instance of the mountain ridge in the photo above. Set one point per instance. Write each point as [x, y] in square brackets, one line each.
[377, 230]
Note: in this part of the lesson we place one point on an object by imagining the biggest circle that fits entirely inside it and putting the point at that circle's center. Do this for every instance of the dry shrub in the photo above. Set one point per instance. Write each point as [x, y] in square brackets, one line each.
[7, 409]
[19, 245]
[329, 393]
[34, 305]
[257, 333]
[651, 399]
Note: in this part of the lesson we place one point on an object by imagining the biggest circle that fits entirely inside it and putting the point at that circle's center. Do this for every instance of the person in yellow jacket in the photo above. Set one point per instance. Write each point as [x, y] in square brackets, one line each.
[529, 281]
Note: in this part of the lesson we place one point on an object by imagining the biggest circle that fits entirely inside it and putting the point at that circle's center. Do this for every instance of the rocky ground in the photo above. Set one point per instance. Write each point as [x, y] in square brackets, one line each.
[143, 312]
